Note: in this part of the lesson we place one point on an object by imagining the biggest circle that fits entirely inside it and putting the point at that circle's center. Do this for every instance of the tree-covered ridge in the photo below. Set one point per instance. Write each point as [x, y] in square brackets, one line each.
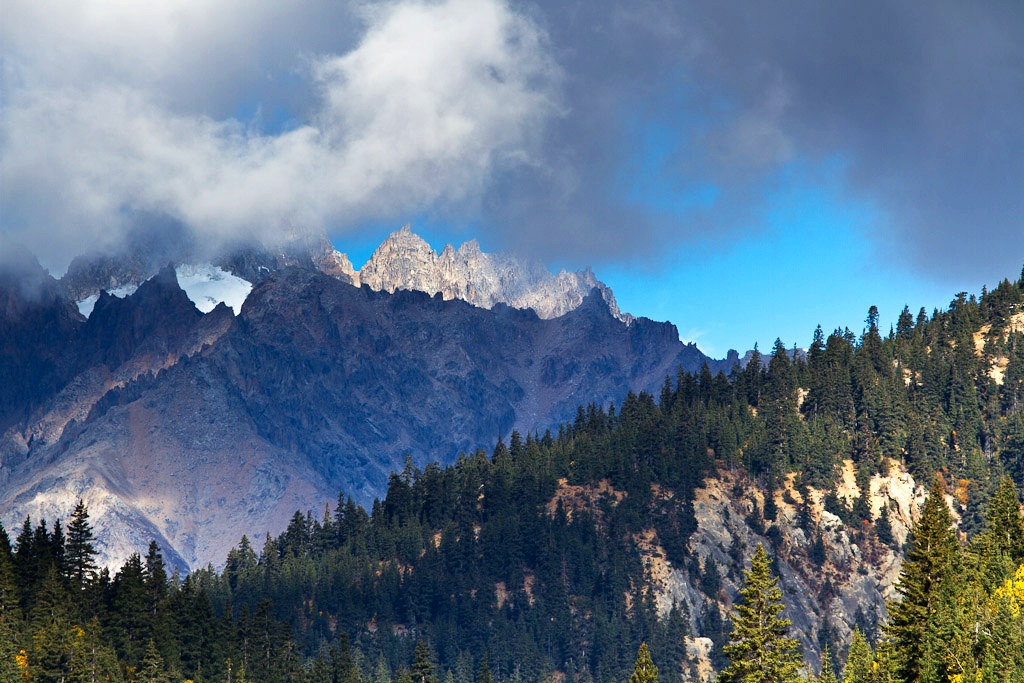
[959, 619]
[491, 568]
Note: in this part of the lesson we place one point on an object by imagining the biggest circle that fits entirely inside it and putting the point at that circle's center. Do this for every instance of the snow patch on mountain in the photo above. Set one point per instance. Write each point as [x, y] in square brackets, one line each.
[86, 305]
[207, 285]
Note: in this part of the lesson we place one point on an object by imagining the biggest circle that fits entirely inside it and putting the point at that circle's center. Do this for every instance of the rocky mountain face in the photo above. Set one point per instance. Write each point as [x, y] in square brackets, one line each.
[194, 429]
[37, 327]
[846, 586]
[144, 254]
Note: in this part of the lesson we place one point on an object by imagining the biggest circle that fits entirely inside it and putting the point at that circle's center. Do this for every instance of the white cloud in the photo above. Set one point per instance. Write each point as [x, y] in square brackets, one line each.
[178, 50]
[433, 98]
[435, 92]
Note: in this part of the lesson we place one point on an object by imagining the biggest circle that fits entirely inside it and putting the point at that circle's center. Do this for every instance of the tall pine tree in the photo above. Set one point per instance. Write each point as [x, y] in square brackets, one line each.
[914, 626]
[644, 670]
[760, 649]
[79, 551]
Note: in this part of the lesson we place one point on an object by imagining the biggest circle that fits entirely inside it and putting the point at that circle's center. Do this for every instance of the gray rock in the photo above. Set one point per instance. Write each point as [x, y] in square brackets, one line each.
[405, 261]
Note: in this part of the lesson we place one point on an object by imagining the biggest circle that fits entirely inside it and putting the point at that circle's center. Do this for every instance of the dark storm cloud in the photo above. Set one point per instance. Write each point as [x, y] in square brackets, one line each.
[922, 103]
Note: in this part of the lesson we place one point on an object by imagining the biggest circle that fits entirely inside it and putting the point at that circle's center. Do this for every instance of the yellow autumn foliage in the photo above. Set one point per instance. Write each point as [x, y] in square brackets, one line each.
[21, 659]
[1010, 595]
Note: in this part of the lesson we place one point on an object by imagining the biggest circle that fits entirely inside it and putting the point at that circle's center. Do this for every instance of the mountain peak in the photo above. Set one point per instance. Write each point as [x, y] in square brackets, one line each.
[406, 261]
[408, 239]
[403, 261]
[470, 248]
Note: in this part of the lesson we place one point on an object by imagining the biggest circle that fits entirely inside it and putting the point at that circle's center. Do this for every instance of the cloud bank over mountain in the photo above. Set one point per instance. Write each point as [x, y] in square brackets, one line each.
[606, 130]
[430, 100]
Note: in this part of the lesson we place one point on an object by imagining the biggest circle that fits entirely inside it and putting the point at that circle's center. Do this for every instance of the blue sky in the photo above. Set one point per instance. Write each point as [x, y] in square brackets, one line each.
[810, 263]
[807, 259]
[810, 260]
[746, 170]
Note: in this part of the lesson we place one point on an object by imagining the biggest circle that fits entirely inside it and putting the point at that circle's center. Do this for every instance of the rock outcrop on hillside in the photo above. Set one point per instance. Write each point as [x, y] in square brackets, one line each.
[825, 601]
[826, 597]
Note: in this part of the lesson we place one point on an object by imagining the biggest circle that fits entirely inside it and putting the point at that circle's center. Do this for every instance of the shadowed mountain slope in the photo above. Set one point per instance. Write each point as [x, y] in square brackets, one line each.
[194, 429]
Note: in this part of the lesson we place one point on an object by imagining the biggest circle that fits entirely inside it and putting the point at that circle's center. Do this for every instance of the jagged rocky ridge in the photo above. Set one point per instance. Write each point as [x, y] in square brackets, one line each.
[403, 261]
[193, 429]
[406, 261]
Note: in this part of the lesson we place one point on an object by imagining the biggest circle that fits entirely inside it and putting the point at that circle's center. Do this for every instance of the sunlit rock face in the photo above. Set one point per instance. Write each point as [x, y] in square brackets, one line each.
[406, 261]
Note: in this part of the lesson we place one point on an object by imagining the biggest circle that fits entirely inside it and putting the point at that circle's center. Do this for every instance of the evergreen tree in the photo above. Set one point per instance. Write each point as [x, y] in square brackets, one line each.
[760, 649]
[884, 668]
[79, 551]
[10, 620]
[10, 608]
[132, 619]
[343, 665]
[711, 579]
[53, 632]
[859, 660]
[422, 670]
[914, 626]
[817, 553]
[828, 674]
[5, 544]
[644, 670]
[1004, 522]
[483, 675]
[320, 671]
[382, 672]
[152, 670]
[883, 527]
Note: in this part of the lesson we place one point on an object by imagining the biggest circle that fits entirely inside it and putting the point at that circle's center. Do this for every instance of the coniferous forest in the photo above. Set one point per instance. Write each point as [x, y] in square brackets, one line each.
[492, 570]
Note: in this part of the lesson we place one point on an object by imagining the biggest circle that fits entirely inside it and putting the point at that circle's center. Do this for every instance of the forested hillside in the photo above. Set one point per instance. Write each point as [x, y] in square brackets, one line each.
[526, 565]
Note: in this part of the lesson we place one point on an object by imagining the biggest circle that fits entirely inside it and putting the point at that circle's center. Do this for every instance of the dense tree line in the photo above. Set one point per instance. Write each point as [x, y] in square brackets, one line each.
[523, 563]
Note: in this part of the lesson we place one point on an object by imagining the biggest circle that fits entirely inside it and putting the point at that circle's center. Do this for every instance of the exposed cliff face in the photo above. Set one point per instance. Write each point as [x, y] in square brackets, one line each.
[849, 588]
[195, 429]
[824, 601]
